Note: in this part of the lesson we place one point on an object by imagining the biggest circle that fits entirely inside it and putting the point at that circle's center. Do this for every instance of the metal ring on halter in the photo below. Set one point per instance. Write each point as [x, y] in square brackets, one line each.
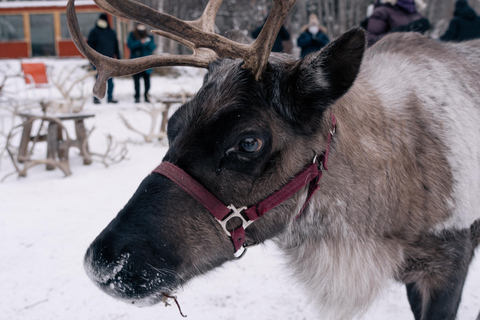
[240, 255]
[245, 247]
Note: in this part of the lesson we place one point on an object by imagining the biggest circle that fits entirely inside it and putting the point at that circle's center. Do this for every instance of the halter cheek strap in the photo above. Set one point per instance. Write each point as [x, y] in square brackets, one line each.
[310, 176]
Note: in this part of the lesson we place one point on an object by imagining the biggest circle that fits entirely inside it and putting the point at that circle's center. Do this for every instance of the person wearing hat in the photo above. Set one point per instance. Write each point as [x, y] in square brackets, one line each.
[313, 37]
[141, 44]
[104, 40]
[465, 24]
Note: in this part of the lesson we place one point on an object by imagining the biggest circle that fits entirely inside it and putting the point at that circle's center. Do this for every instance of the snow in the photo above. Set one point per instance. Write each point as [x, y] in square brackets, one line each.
[47, 221]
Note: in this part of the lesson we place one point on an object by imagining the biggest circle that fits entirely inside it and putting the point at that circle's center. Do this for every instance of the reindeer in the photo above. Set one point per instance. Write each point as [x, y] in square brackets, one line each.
[362, 165]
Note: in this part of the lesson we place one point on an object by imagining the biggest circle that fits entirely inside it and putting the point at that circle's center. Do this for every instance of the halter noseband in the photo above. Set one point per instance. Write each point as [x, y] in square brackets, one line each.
[310, 176]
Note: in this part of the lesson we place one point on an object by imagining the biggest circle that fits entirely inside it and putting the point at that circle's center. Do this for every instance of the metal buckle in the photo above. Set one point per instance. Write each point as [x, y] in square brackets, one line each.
[236, 213]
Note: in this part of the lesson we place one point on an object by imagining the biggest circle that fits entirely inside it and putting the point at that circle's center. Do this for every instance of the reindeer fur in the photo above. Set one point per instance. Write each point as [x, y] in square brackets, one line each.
[399, 201]
[410, 123]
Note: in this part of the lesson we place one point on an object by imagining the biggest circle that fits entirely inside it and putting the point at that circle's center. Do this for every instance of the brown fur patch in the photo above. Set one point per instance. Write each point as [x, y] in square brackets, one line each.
[399, 177]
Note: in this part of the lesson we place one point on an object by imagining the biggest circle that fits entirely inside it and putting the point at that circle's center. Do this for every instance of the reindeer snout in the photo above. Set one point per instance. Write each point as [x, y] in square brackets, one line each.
[120, 270]
[109, 275]
[102, 271]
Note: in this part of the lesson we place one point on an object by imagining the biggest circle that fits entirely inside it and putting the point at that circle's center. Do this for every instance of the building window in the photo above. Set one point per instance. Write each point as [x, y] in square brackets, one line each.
[11, 27]
[43, 37]
[86, 21]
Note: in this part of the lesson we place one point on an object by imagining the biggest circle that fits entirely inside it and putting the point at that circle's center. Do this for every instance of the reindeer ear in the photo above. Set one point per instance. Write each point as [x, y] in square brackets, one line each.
[327, 75]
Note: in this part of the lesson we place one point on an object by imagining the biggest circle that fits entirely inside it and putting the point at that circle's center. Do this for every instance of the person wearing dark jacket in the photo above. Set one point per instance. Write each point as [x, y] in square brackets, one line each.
[393, 16]
[283, 35]
[141, 44]
[465, 24]
[104, 40]
[313, 37]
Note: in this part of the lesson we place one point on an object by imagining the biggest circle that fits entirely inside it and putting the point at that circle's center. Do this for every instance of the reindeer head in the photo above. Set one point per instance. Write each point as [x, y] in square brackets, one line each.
[256, 122]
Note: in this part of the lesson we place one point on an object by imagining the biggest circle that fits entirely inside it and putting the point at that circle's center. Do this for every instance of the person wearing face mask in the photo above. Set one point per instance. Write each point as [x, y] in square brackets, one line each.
[141, 44]
[104, 40]
[313, 37]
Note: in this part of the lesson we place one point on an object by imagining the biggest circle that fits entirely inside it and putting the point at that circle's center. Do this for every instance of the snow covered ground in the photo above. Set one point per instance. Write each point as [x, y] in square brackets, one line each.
[47, 222]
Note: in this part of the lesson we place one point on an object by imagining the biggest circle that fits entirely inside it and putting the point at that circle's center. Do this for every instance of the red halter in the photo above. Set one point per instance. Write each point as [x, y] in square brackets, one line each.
[310, 175]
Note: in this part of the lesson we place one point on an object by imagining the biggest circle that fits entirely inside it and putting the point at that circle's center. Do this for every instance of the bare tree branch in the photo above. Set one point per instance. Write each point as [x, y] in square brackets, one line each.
[154, 113]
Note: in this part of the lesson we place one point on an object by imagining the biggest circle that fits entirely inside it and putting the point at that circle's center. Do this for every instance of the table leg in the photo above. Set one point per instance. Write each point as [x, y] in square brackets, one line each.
[52, 143]
[63, 162]
[26, 133]
[163, 126]
[81, 138]
[61, 147]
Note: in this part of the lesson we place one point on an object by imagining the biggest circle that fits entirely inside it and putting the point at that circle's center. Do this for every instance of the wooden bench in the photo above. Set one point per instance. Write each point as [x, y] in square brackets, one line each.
[57, 144]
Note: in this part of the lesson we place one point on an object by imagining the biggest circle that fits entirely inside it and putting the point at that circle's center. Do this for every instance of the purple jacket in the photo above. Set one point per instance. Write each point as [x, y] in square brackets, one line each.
[387, 17]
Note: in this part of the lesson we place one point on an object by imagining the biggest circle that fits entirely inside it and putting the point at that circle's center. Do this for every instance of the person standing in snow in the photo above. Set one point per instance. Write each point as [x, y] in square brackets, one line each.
[104, 40]
[141, 44]
[313, 37]
[465, 24]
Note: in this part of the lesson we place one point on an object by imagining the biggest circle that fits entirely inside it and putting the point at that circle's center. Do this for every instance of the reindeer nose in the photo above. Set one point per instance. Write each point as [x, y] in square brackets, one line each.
[102, 270]
[126, 270]
[109, 265]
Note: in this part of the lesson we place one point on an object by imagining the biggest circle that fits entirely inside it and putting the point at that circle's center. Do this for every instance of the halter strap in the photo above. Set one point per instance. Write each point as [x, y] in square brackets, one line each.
[193, 188]
[310, 176]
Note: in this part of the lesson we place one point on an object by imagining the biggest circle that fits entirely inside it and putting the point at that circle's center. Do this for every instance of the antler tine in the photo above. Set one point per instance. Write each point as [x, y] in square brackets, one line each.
[262, 46]
[206, 22]
[109, 67]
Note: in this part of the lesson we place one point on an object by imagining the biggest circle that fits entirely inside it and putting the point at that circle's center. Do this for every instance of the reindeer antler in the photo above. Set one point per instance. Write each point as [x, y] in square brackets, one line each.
[198, 35]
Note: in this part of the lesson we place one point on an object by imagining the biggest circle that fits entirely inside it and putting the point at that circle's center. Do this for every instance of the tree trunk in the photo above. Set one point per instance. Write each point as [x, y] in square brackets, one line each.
[342, 16]
[160, 42]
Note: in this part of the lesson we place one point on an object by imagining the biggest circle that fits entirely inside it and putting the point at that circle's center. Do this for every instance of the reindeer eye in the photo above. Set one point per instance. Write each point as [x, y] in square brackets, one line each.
[250, 145]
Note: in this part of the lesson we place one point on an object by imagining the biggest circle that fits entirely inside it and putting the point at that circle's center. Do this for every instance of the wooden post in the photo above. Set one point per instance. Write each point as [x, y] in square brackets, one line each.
[26, 133]
[57, 31]
[27, 32]
[81, 136]
[163, 127]
[52, 143]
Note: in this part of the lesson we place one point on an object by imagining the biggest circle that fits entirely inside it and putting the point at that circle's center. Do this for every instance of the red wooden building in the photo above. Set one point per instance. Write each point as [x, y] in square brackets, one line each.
[39, 28]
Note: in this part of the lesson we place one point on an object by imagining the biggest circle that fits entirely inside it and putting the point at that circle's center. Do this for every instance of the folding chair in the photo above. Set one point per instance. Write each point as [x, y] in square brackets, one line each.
[35, 74]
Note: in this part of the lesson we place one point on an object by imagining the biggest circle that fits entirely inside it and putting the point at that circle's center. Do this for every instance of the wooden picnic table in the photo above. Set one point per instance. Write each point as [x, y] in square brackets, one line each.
[57, 145]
